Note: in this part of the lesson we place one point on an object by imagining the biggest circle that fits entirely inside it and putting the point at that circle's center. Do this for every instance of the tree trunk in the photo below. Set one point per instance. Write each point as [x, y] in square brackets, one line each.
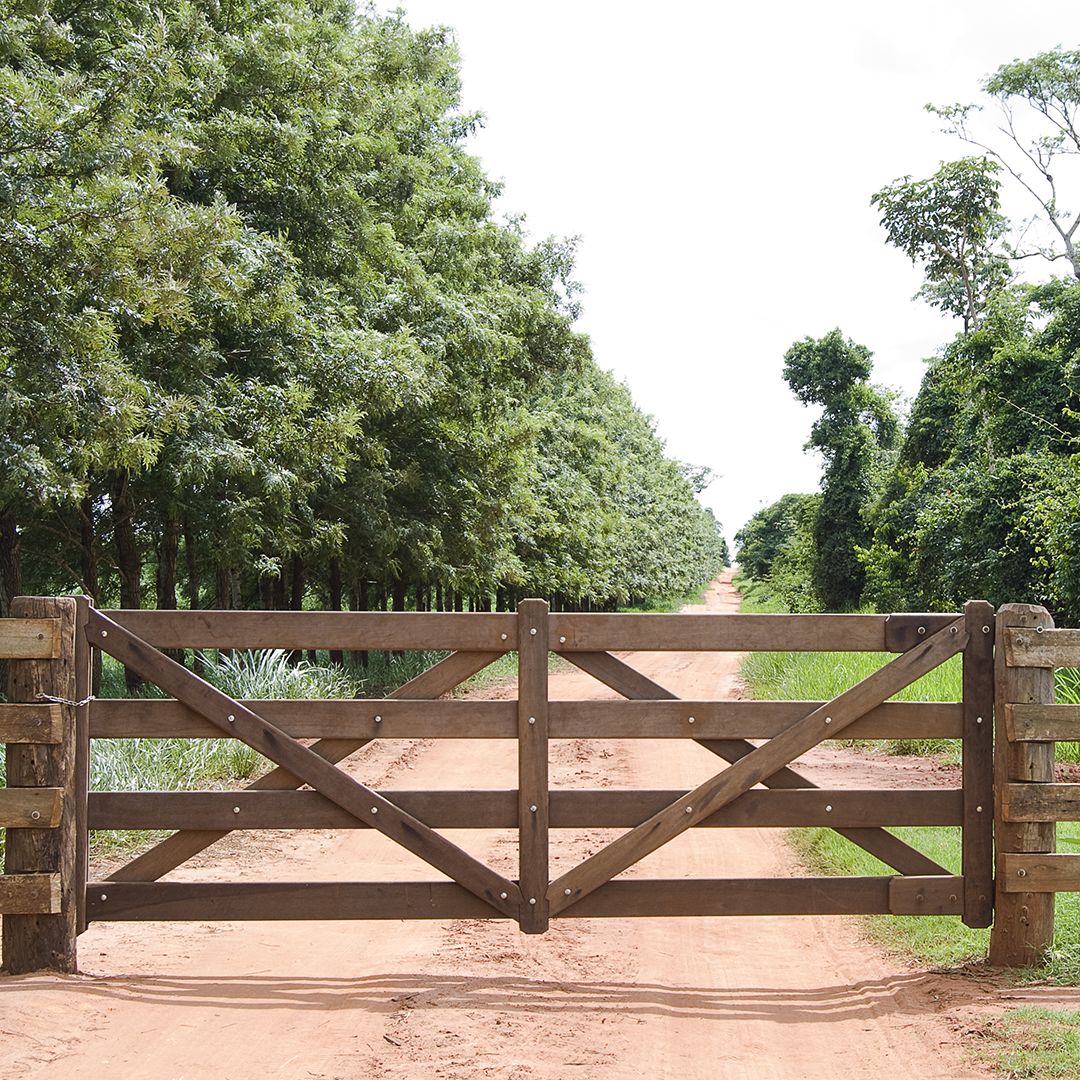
[334, 590]
[10, 562]
[128, 559]
[194, 583]
[168, 551]
[298, 581]
[358, 601]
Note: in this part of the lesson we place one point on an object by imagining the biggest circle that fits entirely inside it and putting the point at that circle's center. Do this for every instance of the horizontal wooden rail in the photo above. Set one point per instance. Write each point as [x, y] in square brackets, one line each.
[390, 719]
[399, 630]
[338, 630]
[1040, 802]
[30, 894]
[31, 808]
[1049, 648]
[1039, 873]
[1042, 723]
[29, 639]
[580, 809]
[743, 633]
[30, 724]
[236, 901]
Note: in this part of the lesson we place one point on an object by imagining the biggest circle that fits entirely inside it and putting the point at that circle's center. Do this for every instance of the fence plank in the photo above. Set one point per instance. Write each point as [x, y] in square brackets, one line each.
[1023, 874]
[1028, 648]
[1023, 921]
[622, 678]
[977, 839]
[465, 719]
[303, 763]
[29, 896]
[333, 630]
[170, 853]
[45, 936]
[1042, 723]
[24, 723]
[480, 809]
[30, 808]
[761, 763]
[532, 709]
[29, 638]
[1040, 802]
[234, 901]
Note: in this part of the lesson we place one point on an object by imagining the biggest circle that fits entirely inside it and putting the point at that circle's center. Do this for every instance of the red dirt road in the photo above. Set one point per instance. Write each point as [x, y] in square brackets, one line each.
[764, 998]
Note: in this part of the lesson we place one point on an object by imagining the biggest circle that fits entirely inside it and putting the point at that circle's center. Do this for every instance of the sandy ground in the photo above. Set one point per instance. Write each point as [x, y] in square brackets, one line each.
[689, 998]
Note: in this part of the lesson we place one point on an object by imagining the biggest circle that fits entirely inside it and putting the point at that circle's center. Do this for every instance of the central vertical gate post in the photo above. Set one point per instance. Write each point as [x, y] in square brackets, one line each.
[1023, 921]
[978, 764]
[533, 764]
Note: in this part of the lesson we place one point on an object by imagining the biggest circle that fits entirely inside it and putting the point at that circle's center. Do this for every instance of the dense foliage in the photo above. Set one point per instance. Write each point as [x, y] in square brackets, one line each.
[982, 497]
[265, 343]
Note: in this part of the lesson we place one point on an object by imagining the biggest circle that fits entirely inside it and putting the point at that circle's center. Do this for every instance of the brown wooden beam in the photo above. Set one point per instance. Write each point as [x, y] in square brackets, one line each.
[24, 723]
[30, 808]
[29, 638]
[1021, 873]
[29, 896]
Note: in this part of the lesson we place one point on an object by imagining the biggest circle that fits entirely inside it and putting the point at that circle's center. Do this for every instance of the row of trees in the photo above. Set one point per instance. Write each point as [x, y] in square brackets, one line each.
[977, 491]
[266, 344]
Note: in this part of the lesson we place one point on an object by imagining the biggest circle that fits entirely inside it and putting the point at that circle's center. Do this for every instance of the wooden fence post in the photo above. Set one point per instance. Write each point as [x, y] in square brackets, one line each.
[1023, 922]
[44, 941]
[533, 764]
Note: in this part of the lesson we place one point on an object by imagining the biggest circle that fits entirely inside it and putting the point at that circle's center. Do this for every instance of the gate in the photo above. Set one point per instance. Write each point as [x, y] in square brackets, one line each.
[759, 741]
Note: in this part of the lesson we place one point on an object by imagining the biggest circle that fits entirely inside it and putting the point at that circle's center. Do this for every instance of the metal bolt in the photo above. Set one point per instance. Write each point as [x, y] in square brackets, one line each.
[104, 896]
[1038, 629]
[922, 629]
[689, 719]
[232, 719]
[566, 892]
[562, 639]
[503, 895]
[954, 630]
[689, 809]
[532, 630]
[1021, 872]
[978, 809]
[503, 636]
[986, 629]
[532, 809]
[978, 719]
[378, 719]
[374, 809]
[952, 898]
[828, 719]
[35, 814]
[828, 808]
[104, 633]
[236, 809]
[532, 719]
[532, 899]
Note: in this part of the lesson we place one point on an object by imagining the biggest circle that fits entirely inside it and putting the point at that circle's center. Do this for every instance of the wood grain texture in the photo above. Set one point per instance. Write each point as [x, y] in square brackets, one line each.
[465, 719]
[46, 938]
[31, 808]
[755, 767]
[1024, 874]
[29, 896]
[532, 709]
[170, 853]
[630, 682]
[1040, 802]
[334, 630]
[1023, 921]
[25, 723]
[1042, 723]
[977, 840]
[234, 902]
[304, 763]
[29, 638]
[1035, 647]
[479, 809]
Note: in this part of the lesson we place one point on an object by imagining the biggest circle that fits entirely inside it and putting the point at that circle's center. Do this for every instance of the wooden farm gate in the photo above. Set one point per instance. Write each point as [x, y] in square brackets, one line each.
[305, 740]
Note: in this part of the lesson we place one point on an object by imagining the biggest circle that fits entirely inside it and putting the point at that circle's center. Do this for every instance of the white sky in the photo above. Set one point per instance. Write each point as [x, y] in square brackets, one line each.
[717, 161]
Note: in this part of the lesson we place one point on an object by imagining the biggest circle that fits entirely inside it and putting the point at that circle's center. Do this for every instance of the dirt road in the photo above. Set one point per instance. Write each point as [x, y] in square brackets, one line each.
[689, 998]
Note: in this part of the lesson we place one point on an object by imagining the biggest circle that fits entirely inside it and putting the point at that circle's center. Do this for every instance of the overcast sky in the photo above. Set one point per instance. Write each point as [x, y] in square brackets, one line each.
[717, 161]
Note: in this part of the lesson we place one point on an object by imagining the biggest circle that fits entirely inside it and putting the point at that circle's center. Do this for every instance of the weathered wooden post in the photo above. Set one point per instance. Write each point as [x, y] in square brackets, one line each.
[1023, 921]
[533, 764]
[43, 935]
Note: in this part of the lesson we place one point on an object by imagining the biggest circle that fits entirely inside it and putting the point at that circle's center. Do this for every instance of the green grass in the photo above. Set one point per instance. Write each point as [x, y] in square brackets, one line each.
[1032, 1044]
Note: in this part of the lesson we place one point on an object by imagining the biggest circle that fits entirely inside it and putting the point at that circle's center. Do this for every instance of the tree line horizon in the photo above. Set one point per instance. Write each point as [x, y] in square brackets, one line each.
[974, 490]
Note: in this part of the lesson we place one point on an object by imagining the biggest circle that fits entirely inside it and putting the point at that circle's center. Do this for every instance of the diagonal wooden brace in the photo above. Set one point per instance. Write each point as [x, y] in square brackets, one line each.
[755, 767]
[880, 843]
[360, 801]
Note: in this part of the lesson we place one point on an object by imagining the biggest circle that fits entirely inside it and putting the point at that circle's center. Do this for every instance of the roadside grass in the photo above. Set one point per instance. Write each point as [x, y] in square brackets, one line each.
[1032, 1044]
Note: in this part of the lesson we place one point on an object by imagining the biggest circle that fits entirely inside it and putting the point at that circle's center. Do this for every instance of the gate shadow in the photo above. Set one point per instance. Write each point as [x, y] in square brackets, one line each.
[387, 993]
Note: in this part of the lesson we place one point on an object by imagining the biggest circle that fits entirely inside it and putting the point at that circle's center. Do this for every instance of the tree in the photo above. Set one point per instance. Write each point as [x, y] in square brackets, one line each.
[951, 224]
[1035, 131]
[856, 424]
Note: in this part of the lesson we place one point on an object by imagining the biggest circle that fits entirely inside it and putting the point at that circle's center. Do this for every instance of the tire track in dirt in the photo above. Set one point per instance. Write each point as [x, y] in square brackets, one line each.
[686, 998]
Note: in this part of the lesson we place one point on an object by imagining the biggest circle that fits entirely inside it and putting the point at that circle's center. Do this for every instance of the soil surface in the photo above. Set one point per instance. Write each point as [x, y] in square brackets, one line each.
[758, 997]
